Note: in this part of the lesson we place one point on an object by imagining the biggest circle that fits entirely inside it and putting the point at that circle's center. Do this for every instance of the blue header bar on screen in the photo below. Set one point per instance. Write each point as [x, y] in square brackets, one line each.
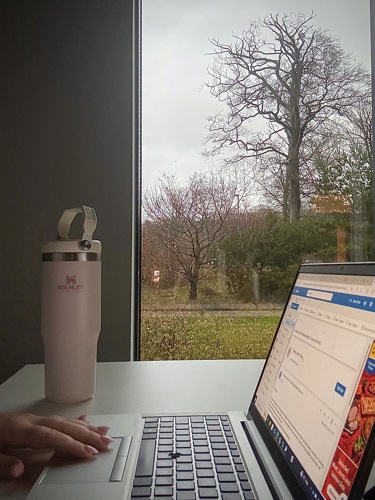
[343, 299]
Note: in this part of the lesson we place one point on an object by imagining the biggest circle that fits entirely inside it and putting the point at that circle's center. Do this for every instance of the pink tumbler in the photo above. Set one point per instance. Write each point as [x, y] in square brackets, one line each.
[71, 310]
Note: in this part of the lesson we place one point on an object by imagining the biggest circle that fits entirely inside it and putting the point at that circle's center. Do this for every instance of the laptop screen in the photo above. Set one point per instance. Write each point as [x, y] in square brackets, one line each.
[316, 396]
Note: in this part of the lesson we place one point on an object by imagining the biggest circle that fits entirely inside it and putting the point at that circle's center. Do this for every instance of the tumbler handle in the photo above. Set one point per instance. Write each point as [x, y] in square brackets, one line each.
[66, 220]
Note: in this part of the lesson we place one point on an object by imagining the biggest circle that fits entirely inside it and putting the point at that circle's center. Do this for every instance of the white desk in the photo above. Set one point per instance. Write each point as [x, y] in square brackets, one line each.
[147, 386]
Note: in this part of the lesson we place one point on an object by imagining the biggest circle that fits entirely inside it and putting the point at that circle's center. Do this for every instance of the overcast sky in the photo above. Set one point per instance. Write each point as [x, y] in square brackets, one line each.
[175, 45]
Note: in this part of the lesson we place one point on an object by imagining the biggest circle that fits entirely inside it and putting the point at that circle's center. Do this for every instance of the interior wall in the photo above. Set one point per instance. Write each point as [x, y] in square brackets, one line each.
[65, 140]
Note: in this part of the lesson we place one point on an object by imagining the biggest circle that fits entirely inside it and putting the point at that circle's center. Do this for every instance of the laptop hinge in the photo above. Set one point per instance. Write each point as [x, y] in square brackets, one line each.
[274, 480]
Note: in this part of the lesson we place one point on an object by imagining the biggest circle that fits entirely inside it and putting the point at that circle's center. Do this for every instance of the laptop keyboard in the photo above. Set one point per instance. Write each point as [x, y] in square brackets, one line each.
[190, 458]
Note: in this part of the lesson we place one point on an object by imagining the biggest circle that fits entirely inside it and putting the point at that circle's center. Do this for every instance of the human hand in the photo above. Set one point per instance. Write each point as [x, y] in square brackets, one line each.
[74, 437]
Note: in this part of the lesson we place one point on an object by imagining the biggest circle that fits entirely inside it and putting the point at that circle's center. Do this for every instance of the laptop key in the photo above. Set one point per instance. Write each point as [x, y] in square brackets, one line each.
[184, 467]
[185, 476]
[141, 491]
[182, 420]
[217, 439]
[249, 495]
[203, 465]
[224, 469]
[164, 463]
[220, 453]
[242, 476]
[229, 488]
[205, 473]
[199, 457]
[206, 482]
[231, 496]
[145, 464]
[226, 478]
[164, 481]
[166, 419]
[163, 491]
[222, 461]
[196, 419]
[185, 495]
[142, 481]
[245, 485]
[164, 471]
[208, 493]
[150, 436]
[185, 485]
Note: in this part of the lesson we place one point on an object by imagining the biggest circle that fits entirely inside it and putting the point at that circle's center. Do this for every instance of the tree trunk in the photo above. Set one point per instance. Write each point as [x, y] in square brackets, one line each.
[193, 280]
[293, 176]
[286, 196]
[295, 194]
[193, 292]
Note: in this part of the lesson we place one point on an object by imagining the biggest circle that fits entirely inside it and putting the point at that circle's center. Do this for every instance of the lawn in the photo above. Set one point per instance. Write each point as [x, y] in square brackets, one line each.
[189, 335]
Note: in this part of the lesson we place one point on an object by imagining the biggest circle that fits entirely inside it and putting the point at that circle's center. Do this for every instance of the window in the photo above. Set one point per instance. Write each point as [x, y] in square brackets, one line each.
[256, 156]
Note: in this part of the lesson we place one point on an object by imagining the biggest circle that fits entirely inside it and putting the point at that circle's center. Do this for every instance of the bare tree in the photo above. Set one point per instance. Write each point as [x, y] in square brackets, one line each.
[281, 79]
[358, 127]
[341, 153]
[193, 219]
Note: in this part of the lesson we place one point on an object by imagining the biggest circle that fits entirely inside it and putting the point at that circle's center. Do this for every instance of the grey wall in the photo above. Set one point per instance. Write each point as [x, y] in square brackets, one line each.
[65, 140]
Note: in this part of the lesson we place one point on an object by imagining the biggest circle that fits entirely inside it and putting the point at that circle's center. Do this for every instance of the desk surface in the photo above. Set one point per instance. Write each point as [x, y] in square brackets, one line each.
[138, 387]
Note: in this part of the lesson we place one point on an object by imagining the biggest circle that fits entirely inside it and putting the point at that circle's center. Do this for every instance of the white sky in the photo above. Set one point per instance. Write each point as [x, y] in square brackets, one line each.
[175, 45]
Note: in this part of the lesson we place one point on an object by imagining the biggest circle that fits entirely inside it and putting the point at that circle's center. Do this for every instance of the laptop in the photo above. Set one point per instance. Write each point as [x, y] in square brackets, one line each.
[309, 431]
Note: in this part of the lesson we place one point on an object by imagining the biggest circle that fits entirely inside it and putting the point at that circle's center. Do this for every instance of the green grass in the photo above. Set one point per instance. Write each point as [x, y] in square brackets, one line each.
[188, 336]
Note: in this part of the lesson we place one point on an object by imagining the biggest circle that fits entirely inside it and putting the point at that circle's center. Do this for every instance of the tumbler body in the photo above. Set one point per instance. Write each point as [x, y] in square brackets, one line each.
[71, 319]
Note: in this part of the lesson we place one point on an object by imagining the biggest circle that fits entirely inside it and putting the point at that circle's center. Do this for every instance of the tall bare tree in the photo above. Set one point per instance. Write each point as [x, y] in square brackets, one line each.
[281, 78]
[192, 219]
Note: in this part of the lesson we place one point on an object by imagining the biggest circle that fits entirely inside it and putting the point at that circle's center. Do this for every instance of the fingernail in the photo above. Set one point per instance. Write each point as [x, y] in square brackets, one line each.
[16, 470]
[83, 417]
[106, 439]
[103, 429]
[91, 450]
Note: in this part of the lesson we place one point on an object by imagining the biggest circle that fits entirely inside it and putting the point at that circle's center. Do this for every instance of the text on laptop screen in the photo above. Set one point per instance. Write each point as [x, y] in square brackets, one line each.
[317, 392]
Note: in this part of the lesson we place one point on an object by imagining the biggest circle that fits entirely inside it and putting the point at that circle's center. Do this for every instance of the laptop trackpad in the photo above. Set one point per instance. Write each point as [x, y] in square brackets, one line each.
[106, 467]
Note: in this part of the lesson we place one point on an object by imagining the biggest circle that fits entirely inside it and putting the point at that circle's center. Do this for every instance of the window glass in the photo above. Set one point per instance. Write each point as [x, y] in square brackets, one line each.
[256, 157]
